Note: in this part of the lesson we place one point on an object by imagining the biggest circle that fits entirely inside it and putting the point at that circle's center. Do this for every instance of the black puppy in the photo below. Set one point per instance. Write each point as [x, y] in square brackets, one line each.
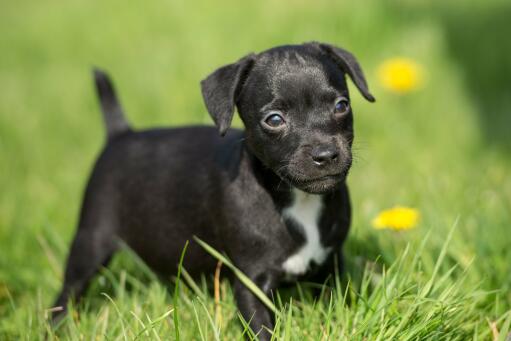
[272, 197]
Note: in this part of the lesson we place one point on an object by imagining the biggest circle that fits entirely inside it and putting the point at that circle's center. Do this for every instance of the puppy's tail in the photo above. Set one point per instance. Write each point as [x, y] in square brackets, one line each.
[113, 114]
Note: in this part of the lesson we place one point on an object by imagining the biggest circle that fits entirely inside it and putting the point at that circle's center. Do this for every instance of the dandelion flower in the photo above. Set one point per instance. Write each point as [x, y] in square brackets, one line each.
[397, 218]
[400, 75]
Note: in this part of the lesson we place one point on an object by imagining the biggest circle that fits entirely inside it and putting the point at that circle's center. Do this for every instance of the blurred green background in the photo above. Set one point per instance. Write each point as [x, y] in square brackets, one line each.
[444, 148]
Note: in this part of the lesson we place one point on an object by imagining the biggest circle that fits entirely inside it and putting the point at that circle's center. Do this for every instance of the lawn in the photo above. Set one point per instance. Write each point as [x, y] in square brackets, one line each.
[443, 149]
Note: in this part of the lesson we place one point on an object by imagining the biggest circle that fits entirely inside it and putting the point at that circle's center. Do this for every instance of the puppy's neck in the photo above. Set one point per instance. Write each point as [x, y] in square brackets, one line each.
[266, 176]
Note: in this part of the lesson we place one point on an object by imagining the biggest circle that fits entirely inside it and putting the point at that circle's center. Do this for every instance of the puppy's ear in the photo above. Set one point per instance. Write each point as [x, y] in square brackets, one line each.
[349, 64]
[221, 89]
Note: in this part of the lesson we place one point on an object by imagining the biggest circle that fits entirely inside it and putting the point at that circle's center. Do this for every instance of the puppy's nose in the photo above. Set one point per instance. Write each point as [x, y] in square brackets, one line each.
[323, 155]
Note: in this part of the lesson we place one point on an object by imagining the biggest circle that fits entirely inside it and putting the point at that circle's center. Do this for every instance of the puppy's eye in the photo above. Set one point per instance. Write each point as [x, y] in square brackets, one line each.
[342, 106]
[274, 120]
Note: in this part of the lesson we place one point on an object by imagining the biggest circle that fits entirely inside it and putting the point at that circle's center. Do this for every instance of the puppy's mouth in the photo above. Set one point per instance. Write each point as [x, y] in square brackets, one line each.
[315, 185]
[329, 177]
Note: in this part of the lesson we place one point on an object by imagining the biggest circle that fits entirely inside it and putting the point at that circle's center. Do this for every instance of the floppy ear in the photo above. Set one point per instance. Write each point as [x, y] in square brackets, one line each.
[348, 63]
[221, 89]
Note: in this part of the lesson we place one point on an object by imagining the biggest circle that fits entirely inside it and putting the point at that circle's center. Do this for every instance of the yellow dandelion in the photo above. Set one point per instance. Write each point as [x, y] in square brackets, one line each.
[401, 75]
[397, 218]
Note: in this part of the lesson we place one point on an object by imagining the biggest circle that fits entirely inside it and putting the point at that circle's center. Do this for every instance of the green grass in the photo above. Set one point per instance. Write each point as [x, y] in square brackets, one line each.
[443, 149]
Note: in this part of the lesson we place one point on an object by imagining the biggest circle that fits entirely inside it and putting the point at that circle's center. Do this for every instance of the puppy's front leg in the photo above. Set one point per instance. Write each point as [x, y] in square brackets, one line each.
[252, 308]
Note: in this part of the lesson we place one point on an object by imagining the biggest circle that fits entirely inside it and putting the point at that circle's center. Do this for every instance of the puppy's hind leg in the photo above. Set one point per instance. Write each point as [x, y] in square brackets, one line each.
[93, 246]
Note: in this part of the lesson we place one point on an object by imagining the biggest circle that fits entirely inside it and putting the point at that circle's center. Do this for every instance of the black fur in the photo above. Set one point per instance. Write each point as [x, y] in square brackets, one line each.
[156, 189]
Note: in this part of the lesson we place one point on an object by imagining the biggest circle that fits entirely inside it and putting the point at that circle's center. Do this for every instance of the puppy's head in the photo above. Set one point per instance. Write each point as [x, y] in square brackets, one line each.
[296, 108]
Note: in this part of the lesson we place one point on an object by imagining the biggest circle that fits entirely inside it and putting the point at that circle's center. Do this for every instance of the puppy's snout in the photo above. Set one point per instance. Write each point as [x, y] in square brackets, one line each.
[324, 154]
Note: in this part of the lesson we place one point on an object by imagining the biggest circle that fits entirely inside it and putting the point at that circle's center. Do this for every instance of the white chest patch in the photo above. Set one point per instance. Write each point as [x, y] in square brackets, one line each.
[305, 210]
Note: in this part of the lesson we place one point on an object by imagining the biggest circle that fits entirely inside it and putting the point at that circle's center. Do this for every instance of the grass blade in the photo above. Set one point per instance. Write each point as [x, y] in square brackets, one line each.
[176, 290]
[241, 276]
